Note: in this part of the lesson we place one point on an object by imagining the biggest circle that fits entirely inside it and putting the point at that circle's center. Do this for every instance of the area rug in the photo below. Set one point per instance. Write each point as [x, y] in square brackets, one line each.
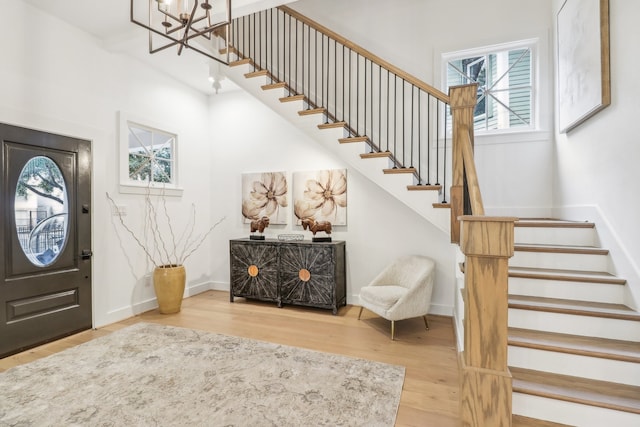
[154, 375]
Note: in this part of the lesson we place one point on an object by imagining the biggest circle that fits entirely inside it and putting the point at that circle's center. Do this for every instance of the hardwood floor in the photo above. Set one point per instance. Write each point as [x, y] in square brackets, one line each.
[430, 392]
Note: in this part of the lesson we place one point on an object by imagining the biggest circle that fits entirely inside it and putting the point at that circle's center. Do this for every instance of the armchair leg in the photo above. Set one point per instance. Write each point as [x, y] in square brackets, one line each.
[426, 324]
[393, 329]
[360, 314]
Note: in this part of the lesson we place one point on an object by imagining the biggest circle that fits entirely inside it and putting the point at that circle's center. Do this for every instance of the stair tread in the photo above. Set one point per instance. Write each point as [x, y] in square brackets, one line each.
[331, 125]
[276, 85]
[240, 62]
[257, 73]
[585, 308]
[424, 187]
[566, 275]
[349, 139]
[399, 170]
[570, 249]
[375, 155]
[552, 223]
[292, 98]
[616, 396]
[311, 111]
[574, 344]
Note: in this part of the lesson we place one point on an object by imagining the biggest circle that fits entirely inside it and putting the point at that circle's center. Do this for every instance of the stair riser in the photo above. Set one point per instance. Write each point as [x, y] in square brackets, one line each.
[555, 236]
[616, 329]
[571, 413]
[561, 261]
[575, 365]
[578, 291]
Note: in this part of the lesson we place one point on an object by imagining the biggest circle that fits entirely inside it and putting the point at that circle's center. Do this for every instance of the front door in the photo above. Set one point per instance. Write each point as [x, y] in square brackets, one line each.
[45, 237]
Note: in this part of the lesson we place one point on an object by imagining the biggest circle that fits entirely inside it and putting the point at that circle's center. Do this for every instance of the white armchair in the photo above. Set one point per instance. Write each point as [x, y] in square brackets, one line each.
[401, 291]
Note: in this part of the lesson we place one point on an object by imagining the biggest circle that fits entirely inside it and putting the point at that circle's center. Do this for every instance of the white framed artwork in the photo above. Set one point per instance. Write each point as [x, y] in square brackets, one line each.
[265, 194]
[584, 86]
[321, 195]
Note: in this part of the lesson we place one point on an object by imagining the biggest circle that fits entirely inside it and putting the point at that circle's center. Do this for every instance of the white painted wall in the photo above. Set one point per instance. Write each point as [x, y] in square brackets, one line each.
[249, 137]
[58, 79]
[597, 162]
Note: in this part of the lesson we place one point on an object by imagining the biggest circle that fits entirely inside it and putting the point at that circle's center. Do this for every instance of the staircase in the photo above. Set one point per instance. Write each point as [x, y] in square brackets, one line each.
[335, 137]
[574, 347]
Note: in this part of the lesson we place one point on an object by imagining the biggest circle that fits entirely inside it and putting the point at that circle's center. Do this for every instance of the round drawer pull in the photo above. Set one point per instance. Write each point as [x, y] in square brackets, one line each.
[253, 270]
[304, 275]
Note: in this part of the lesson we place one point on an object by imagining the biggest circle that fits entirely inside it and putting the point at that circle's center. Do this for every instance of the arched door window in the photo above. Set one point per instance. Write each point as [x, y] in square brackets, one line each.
[41, 211]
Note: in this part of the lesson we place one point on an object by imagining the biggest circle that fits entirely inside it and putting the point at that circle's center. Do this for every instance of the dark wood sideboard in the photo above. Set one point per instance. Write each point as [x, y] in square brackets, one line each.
[289, 272]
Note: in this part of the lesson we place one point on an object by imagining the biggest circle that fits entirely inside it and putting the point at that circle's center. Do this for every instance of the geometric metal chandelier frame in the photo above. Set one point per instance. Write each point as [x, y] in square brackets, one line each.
[183, 23]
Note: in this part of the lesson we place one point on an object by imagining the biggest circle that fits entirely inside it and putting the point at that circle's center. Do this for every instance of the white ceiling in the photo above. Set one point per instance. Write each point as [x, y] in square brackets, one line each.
[109, 21]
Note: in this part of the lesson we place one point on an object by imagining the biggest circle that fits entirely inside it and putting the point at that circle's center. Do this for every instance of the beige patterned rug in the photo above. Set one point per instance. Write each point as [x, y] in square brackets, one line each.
[153, 375]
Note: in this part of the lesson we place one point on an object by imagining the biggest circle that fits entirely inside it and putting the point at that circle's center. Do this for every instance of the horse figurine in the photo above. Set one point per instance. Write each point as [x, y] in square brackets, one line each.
[315, 226]
[259, 224]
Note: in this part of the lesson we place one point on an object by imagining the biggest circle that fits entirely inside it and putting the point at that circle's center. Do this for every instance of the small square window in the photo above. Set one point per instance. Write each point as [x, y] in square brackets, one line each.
[148, 157]
[506, 92]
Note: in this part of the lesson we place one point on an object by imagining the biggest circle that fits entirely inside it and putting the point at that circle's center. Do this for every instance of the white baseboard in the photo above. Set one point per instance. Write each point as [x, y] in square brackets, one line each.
[136, 308]
[519, 212]
[219, 286]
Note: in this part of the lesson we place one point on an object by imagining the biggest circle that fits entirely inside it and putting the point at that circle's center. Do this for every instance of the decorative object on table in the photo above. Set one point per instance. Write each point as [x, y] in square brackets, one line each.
[166, 252]
[584, 85]
[259, 225]
[289, 272]
[315, 226]
[265, 194]
[290, 237]
[321, 195]
[401, 291]
[148, 374]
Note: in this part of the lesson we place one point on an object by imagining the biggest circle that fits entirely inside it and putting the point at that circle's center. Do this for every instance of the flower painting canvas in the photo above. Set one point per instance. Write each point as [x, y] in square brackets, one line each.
[265, 194]
[321, 195]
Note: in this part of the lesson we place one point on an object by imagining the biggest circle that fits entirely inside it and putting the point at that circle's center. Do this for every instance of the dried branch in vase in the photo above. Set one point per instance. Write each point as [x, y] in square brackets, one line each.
[161, 246]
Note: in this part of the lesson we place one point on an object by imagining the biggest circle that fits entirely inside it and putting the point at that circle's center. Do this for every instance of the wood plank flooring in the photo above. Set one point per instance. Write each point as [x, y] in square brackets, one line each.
[430, 392]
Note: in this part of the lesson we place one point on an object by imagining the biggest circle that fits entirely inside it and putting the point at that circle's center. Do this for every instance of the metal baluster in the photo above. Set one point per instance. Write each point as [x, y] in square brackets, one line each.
[335, 79]
[438, 142]
[429, 132]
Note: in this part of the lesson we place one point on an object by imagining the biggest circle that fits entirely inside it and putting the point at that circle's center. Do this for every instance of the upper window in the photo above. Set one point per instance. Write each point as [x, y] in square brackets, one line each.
[151, 156]
[148, 157]
[504, 75]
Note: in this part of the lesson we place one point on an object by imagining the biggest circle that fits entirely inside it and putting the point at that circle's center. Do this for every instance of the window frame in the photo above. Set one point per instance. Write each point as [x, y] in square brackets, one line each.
[130, 186]
[532, 45]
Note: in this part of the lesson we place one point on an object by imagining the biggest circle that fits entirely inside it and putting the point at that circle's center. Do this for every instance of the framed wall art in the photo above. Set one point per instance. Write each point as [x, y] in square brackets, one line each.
[321, 195]
[265, 194]
[584, 86]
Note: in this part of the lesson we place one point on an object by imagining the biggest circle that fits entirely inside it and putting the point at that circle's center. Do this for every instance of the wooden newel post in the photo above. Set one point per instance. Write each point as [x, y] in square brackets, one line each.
[462, 102]
[485, 386]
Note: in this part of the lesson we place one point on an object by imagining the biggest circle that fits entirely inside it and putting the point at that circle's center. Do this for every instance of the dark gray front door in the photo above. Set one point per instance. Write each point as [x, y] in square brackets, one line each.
[45, 237]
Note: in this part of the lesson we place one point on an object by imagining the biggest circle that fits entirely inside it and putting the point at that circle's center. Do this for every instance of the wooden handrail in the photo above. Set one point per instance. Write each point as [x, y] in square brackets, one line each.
[477, 208]
[463, 101]
[370, 56]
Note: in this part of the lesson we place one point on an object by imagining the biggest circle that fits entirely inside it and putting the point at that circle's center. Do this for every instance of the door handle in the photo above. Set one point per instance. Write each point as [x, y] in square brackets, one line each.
[86, 254]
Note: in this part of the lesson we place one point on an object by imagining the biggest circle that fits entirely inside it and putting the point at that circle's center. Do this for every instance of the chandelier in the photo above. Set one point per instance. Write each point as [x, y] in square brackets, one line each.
[187, 24]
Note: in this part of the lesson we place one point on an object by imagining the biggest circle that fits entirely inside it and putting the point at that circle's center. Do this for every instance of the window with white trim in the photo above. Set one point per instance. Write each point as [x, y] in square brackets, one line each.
[505, 77]
[148, 157]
